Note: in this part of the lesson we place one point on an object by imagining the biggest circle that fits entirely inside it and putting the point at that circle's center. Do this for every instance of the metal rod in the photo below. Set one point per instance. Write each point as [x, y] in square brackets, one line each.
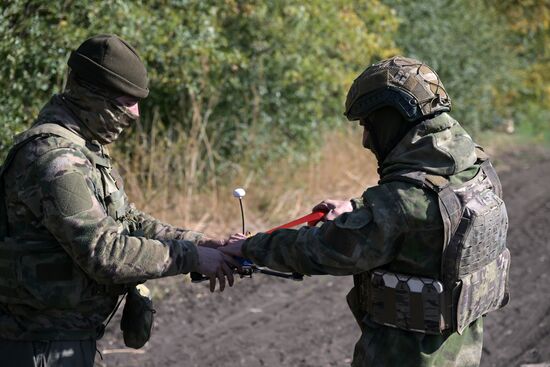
[242, 214]
[279, 274]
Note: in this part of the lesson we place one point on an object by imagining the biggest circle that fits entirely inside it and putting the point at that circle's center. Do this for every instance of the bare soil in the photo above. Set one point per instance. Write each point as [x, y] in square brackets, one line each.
[265, 321]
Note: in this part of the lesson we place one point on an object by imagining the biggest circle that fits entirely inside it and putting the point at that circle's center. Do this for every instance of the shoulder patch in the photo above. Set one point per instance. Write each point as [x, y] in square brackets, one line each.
[70, 194]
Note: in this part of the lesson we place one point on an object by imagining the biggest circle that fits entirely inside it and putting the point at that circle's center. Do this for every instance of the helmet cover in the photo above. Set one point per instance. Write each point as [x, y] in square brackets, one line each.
[407, 84]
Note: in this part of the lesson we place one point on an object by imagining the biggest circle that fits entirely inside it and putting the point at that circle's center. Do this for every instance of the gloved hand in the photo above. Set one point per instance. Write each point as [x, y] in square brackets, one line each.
[333, 208]
[215, 264]
[234, 245]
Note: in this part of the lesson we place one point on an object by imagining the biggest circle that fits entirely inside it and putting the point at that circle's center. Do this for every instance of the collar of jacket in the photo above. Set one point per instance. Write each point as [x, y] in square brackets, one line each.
[56, 111]
[438, 146]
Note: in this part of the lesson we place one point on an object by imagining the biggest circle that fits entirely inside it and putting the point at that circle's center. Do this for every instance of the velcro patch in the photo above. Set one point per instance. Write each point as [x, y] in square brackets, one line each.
[70, 194]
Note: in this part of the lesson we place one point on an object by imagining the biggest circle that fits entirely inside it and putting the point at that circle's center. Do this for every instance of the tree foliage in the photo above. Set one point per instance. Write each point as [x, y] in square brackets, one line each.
[236, 77]
[465, 41]
[491, 55]
[529, 28]
[244, 82]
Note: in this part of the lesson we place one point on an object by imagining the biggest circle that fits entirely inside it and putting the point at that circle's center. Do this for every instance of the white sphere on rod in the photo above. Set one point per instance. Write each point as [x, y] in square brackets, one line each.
[239, 193]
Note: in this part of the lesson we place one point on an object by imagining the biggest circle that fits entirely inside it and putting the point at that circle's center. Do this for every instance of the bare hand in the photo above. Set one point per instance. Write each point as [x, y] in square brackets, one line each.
[216, 265]
[234, 245]
[333, 208]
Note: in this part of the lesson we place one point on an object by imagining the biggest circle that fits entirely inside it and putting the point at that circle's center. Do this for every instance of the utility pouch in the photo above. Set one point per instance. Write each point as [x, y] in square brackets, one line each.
[405, 301]
[137, 317]
[483, 291]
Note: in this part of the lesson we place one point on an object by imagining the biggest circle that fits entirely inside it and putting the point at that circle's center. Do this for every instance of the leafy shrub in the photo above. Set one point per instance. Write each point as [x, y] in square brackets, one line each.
[466, 42]
[232, 82]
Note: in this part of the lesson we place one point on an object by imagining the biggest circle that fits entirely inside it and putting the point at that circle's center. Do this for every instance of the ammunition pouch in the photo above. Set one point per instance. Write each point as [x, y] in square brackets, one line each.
[405, 301]
[137, 317]
[426, 305]
[475, 262]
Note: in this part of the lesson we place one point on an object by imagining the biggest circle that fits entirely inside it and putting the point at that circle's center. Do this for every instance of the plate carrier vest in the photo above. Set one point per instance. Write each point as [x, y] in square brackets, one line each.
[474, 263]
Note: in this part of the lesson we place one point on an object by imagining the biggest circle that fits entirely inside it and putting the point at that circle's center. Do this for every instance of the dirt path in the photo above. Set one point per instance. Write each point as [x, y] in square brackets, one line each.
[520, 333]
[270, 322]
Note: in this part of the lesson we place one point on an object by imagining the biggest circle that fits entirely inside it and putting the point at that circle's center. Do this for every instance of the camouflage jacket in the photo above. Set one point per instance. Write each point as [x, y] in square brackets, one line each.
[78, 241]
[398, 226]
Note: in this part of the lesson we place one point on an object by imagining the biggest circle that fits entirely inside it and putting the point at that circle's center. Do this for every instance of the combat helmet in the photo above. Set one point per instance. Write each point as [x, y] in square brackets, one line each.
[110, 62]
[407, 84]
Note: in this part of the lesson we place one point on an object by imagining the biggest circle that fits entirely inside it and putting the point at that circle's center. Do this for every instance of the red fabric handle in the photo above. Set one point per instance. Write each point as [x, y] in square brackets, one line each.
[311, 219]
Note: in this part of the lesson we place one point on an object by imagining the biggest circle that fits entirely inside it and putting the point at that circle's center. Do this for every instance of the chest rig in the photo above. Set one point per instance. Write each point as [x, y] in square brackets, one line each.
[474, 261]
[38, 272]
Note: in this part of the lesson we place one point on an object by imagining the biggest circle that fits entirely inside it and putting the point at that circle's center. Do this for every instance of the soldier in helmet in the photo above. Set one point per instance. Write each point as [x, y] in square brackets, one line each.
[70, 242]
[426, 246]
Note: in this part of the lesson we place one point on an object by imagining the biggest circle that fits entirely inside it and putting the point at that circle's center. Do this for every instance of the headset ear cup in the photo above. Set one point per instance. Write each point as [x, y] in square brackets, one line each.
[137, 317]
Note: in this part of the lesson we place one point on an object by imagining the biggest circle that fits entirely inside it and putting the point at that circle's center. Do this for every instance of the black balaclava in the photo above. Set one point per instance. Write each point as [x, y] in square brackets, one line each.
[386, 128]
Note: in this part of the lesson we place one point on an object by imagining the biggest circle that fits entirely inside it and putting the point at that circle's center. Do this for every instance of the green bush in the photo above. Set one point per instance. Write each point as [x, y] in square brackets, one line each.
[466, 42]
[237, 84]
[231, 81]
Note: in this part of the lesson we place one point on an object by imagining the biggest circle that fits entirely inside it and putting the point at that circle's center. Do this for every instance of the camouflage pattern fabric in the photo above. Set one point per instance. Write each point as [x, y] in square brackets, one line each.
[480, 292]
[99, 117]
[396, 225]
[406, 84]
[60, 198]
[475, 261]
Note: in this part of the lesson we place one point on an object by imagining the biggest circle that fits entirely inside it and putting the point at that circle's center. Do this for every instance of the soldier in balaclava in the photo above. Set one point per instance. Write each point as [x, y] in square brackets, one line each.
[426, 246]
[71, 245]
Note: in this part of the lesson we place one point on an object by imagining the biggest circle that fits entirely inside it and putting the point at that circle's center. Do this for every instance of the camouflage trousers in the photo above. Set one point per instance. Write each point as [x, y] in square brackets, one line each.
[382, 346]
[56, 353]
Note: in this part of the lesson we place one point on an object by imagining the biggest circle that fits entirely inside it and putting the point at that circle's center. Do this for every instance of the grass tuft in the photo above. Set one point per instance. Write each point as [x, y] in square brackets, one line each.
[284, 190]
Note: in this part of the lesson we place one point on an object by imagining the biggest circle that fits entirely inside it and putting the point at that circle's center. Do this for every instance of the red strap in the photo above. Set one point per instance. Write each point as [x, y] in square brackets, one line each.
[311, 219]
